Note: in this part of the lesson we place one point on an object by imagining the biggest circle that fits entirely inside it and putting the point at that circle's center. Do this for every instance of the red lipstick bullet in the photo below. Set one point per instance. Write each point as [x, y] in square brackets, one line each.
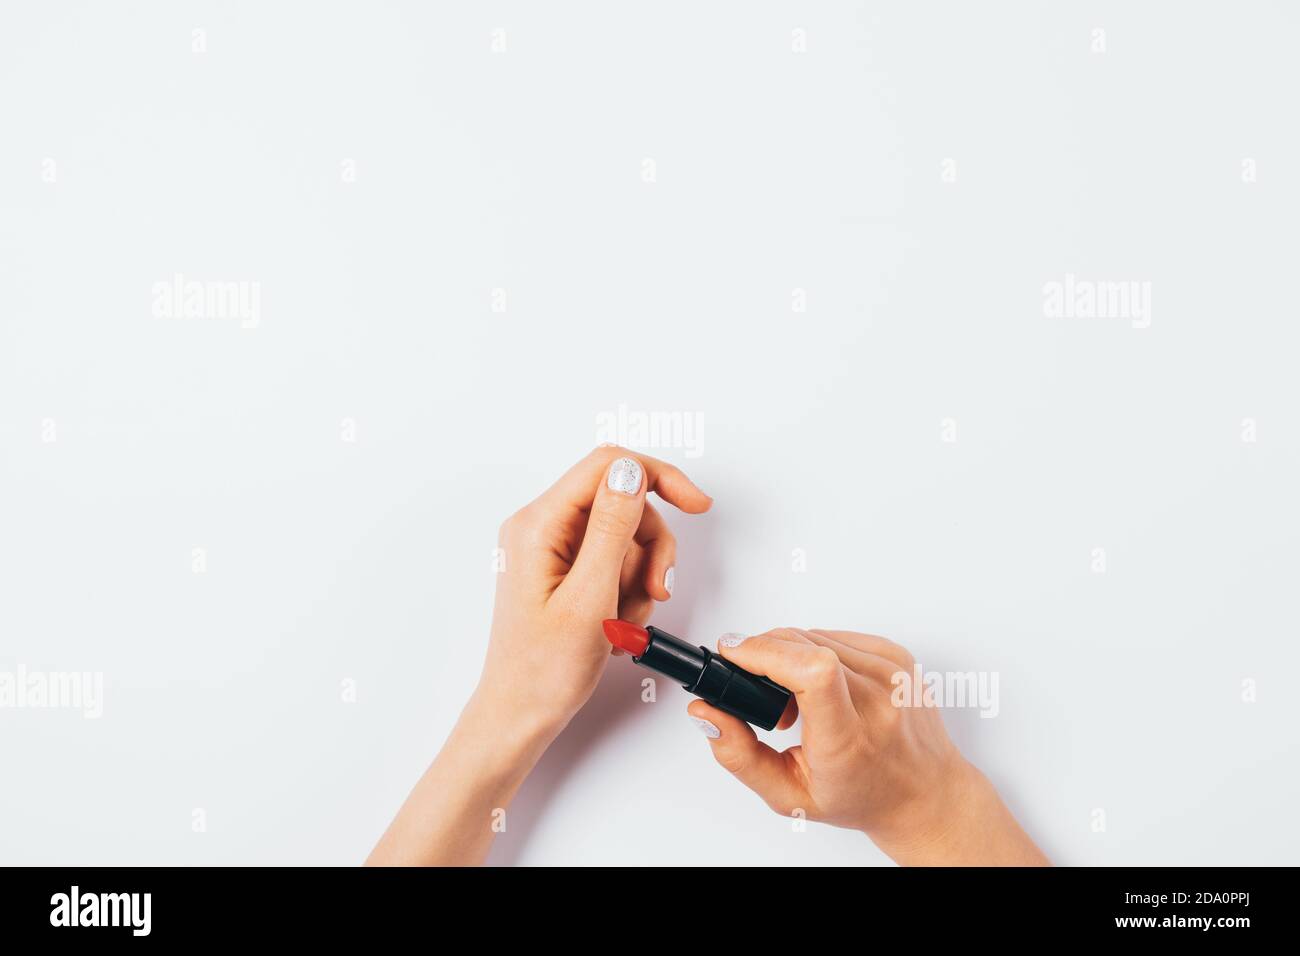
[627, 636]
[751, 697]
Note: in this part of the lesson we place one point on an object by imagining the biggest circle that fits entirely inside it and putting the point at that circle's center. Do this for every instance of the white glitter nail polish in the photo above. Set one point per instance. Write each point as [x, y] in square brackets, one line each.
[625, 476]
[731, 639]
[670, 578]
[707, 728]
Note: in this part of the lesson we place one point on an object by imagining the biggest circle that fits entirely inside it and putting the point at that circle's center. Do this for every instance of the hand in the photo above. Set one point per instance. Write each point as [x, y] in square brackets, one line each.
[588, 549]
[865, 762]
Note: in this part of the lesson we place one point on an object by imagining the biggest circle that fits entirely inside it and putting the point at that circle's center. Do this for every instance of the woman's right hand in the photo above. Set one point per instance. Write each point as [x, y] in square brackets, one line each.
[865, 762]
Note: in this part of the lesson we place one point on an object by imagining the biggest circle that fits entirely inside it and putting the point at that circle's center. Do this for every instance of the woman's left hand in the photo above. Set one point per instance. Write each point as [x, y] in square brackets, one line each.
[590, 548]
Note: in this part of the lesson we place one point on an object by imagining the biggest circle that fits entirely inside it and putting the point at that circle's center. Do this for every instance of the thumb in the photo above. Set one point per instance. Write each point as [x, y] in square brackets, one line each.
[614, 517]
[770, 774]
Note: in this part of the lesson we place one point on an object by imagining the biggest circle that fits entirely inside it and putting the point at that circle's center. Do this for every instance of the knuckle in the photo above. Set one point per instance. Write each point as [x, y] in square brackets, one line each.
[884, 710]
[614, 524]
[730, 760]
[672, 473]
[823, 667]
[903, 656]
[889, 715]
[891, 650]
[788, 635]
[898, 678]
[521, 519]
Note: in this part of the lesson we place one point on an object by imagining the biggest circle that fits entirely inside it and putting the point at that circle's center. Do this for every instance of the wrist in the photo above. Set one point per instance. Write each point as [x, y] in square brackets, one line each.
[453, 812]
[509, 737]
[925, 830]
[965, 824]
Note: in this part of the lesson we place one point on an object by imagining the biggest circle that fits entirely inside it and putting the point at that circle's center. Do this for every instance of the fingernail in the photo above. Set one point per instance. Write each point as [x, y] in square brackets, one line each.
[707, 728]
[625, 476]
[670, 578]
[731, 639]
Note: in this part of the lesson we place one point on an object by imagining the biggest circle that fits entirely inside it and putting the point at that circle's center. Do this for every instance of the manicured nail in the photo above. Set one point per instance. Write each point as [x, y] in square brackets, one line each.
[707, 728]
[625, 476]
[731, 639]
[670, 578]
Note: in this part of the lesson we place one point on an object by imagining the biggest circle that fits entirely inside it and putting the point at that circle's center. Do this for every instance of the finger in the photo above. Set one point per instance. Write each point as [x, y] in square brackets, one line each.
[811, 671]
[615, 514]
[667, 481]
[872, 644]
[872, 666]
[636, 609]
[630, 593]
[631, 576]
[791, 712]
[789, 715]
[660, 546]
[771, 775]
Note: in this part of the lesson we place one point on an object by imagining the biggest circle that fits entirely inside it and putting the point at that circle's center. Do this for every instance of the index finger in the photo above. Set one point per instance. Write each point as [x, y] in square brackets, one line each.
[812, 672]
[577, 486]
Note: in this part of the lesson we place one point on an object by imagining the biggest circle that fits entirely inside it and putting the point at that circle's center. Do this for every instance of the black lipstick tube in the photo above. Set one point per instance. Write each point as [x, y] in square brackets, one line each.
[715, 679]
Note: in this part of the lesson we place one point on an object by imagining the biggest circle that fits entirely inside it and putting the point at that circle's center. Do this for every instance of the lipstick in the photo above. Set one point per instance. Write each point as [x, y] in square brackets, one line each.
[714, 679]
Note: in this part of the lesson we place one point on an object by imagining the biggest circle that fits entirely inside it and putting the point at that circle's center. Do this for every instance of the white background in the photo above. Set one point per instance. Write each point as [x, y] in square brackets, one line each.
[370, 561]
